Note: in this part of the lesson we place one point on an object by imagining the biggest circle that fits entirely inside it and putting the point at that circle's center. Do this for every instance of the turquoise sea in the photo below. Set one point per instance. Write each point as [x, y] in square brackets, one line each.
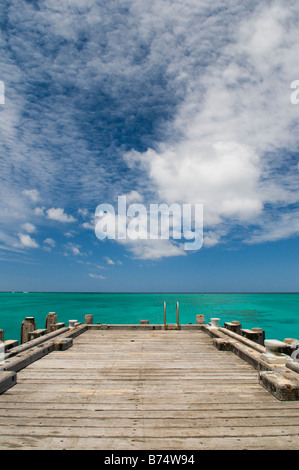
[277, 314]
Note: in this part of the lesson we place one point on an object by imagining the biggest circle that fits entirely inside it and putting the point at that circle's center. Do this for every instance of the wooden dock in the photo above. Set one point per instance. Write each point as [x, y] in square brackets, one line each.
[144, 389]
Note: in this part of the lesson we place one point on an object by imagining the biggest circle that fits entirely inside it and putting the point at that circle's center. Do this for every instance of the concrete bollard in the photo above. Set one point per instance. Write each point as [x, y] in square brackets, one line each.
[73, 323]
[200, 319]
[88, 319]
[51, 319]
[273, 354]
[28, 325]
[214, 323]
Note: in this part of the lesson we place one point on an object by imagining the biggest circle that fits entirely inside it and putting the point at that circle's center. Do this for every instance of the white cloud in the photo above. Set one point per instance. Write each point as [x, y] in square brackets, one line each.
[109, 260]
[73, 249]
[28, 227]
[69, 234]
[83, 212]
[222, 176]
[49, 241]
[33, 194]
[89, 225]
[96, 276]
[59, 215]
[39, 211]
[133, 196]
[154, 249]
[27, 241]
[282, 226]
[210, 239]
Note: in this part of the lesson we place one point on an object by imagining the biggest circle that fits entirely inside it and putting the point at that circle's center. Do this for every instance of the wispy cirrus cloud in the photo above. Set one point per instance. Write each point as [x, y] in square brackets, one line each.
[50, 242]
[97, 276]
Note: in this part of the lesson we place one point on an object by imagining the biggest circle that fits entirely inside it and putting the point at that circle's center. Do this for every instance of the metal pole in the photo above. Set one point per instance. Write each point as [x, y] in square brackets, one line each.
[177, 316]
[165, 328]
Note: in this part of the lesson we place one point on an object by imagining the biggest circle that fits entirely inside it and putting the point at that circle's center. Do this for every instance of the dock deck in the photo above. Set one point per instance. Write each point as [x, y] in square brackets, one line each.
[130, 390]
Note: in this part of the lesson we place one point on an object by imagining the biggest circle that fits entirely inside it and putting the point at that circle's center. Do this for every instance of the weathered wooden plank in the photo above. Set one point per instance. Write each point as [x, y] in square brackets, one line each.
[174, 424]
[131, 444]
[154, 387]
[247, 407]
[141, 432]
[111, 414]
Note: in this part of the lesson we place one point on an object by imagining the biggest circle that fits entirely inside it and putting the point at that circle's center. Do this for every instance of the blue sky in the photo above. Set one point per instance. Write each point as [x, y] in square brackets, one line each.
[163, 102]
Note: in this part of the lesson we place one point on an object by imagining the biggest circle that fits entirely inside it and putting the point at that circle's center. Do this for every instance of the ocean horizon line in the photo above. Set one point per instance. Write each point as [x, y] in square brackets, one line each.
[149, 292]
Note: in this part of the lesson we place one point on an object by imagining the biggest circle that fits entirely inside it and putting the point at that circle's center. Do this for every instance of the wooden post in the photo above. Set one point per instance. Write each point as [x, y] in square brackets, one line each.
[234, 326]
[51, 319]
[165, 326]
[88, 319]
[27, 326]
[260, 335]
[256, 334]
[200, 319]
[177, 316]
